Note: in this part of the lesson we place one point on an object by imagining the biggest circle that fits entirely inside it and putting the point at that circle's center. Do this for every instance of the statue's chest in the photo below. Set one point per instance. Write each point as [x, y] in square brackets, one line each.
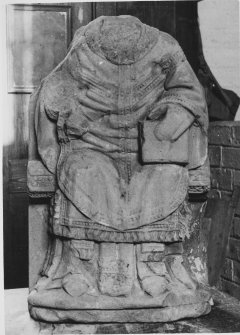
[120, 87]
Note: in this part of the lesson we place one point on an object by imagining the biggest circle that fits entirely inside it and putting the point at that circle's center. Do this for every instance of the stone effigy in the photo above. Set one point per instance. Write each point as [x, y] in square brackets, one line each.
[121, 128]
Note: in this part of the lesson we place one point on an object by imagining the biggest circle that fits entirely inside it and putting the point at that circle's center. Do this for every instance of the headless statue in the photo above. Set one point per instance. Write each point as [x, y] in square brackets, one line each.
[121, 123]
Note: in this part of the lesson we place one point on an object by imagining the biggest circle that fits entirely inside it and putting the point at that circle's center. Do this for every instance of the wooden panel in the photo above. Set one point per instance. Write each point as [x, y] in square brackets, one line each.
[18, 148]
[187, 30]
[15, 153]
[82, 14]
[16, 199]
[104, 8]
[18, 176]
[177, 18]
[31, 56]
[159, 14]
[16, 242]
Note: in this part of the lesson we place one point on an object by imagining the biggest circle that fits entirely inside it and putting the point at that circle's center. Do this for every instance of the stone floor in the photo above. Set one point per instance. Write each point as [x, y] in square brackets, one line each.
[224, 318]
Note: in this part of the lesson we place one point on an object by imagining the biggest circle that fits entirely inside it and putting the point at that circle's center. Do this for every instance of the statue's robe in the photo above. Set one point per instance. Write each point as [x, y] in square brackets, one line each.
[87, 115]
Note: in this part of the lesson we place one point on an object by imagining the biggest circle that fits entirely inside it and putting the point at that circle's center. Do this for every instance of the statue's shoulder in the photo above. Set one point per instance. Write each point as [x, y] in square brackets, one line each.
[167, 39]
[78, 37]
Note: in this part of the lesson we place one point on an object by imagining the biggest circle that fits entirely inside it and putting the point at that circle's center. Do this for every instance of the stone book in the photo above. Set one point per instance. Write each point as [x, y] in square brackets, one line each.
[154, 150]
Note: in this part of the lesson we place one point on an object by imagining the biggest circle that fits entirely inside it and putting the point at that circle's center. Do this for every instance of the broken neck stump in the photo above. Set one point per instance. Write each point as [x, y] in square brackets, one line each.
[120, 128]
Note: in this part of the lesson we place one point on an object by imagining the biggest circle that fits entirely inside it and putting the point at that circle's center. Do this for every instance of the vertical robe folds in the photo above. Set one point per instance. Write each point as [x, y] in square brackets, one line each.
[118, 72]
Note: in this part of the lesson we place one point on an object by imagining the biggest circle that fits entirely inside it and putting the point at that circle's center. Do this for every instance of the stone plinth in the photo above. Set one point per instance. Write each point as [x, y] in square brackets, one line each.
[225, 317]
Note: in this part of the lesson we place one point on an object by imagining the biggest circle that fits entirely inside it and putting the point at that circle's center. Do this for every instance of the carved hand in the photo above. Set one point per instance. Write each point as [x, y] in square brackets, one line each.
[173, 125]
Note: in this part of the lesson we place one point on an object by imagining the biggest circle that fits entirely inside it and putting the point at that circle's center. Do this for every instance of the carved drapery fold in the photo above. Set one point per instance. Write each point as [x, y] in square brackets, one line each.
[118, 217]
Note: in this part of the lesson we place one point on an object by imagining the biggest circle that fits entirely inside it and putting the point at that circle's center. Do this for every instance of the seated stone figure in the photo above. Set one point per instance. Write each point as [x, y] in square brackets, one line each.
[121, 123]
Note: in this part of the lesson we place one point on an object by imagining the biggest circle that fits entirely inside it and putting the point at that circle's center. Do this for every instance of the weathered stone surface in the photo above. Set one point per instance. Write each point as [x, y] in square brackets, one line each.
[38, 240]
[66, 329]
[197, 244]
[116, 220]
[159, 149]
[116, 268]
[39, 179]
[122, 316]
[109, 280]
[224, 317]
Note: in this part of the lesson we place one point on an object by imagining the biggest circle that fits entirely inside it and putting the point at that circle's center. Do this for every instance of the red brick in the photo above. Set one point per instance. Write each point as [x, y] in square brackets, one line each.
[216, 194]
[236, 134]
[236, 177]
[220, 134]
[215, 155]
[233, 250]
[222, 179]
[236, 228]
[231, 158]
[213, 193]
[232, 231]
[231, 288]
[236, 271]
[227, 271]
[225, 195]
[237, 212]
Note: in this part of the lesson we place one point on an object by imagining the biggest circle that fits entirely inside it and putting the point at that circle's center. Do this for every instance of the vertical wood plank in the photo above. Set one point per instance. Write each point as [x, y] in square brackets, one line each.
[187, 30]
[82, 14]
[159, 14]
[105, 9]
[15, 155]
[15, 199]
[16, 258]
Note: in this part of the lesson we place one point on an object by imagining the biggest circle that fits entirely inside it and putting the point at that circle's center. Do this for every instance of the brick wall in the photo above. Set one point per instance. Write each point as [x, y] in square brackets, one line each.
[224, 154]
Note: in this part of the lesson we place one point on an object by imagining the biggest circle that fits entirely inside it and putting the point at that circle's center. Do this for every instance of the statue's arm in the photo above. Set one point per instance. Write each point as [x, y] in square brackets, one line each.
[46, 134]
[182, 102]
[181, 107]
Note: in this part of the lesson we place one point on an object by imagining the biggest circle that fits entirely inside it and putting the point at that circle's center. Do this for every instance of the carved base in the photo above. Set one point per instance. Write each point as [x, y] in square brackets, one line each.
[88, 282]
[121, 316]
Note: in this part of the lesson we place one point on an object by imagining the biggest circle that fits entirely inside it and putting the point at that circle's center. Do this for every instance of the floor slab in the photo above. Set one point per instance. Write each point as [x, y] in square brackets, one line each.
[224, 318]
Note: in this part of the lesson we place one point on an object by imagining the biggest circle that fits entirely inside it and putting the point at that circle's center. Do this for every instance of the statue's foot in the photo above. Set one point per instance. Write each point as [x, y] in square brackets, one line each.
[86, 281]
